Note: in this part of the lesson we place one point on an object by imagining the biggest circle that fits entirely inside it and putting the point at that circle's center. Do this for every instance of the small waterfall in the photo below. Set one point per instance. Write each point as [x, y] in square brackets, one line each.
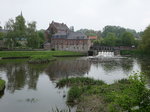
[105, 54]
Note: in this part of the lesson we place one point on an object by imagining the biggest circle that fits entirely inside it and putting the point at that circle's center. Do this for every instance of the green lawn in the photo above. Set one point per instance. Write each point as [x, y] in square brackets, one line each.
[31, 53]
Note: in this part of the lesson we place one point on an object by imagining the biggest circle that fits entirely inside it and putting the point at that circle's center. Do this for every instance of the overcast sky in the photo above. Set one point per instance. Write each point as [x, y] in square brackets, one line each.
[91, 14]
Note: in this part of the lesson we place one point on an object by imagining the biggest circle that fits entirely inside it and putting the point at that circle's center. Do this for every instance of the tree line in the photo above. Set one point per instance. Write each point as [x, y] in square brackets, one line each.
[114, 36]
[20, 34]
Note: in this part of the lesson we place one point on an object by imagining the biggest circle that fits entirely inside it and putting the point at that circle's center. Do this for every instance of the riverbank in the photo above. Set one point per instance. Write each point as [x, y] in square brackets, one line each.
[2, 85]
[27, 54]
[133, 53]
[38, 56]
[93, 95]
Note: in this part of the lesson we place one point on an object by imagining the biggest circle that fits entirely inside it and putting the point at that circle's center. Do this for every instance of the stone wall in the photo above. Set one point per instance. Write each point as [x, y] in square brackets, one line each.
[71, 44]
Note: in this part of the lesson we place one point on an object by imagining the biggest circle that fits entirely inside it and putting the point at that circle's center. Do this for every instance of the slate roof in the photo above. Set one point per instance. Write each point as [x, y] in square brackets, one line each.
[65, 32]
[76, 35]
[60, 26]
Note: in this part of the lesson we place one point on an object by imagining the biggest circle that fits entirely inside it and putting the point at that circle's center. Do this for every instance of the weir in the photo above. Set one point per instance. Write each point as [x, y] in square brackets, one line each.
[104, 50]
[105, 54]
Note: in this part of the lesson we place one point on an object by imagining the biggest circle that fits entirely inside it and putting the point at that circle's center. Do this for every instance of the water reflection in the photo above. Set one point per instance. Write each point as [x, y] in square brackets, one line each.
[126, 64]
[33, 86]
[61, 69]
[20, 74]
[145, 67]
[1, 94]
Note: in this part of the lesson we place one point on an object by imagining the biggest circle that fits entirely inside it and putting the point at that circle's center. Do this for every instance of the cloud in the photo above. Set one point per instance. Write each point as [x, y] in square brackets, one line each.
[92, 14]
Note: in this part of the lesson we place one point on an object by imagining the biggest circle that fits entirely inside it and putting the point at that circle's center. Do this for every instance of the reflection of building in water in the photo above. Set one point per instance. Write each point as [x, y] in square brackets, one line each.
[62, 69]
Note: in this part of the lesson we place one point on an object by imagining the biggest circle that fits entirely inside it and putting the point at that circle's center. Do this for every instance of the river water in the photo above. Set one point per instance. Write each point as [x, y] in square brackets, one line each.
[32, 88]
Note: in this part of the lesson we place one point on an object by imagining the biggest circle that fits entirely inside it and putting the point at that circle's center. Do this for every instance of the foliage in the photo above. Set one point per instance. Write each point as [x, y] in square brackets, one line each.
[79, 81]
[33, 39]
[2, 84]
[131, 52]
[74, 94]
[90, 32]
[118, 36]
[2, 35]
[127, 39]
[19, 34]
[145, 44]
[124, 95]
[136, 95]
[41, 37]
[110, 39]
[117, 30]
[35, 59]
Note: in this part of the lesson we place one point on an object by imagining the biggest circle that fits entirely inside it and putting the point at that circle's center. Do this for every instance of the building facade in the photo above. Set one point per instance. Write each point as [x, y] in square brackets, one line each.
[61, 37]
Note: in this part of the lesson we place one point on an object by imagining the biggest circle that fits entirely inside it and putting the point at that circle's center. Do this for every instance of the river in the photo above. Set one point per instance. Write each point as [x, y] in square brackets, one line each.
[32, 88]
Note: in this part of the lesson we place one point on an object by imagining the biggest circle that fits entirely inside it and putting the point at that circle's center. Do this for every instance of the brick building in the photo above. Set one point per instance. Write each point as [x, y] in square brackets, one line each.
[61, 37]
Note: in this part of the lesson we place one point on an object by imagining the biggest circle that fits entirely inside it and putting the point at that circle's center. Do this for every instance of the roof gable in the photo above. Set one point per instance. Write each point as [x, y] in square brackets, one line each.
[60, 26]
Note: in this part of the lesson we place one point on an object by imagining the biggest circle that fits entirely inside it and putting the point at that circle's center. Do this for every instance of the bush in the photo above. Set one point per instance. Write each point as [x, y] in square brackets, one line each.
[2, 84]
[74, 94]
[136, 95]
[79, 81]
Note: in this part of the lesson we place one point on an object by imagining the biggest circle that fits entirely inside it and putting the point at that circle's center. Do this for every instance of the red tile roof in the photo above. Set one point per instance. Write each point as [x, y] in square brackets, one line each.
[92, 37]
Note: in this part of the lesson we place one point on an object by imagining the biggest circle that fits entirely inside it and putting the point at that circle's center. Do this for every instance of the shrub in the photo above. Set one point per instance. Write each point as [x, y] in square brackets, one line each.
[136, 95]
[79, 81]
[74, 94]
[2, 84]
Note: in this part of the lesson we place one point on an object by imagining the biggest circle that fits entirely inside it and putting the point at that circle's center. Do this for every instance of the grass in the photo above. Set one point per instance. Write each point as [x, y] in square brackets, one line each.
[79, 81]
[94, 95]
[36, 57]
[135, 52]
[4, 54]
[2, 84]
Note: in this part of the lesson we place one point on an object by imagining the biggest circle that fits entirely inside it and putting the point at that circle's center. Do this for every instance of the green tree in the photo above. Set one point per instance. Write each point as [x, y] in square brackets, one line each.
[127, 39]
[2, 35]
[117, 30]
[145, 44]
[41, 36]
[19, 32]
[33, 39]
[10, 40]
[20, 27]
[110, 39]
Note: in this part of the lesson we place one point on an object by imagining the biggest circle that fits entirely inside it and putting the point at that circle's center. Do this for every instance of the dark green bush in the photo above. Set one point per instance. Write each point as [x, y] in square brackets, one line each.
[2, 84]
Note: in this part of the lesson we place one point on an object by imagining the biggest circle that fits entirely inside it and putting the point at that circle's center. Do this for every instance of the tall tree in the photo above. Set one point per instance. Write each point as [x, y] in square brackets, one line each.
[128, 39]
[41, 34]
[10, 36]
[20, 27]
[117, 30]
[145, 45]
[110, 39]
[33, 40]
[2, 35]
